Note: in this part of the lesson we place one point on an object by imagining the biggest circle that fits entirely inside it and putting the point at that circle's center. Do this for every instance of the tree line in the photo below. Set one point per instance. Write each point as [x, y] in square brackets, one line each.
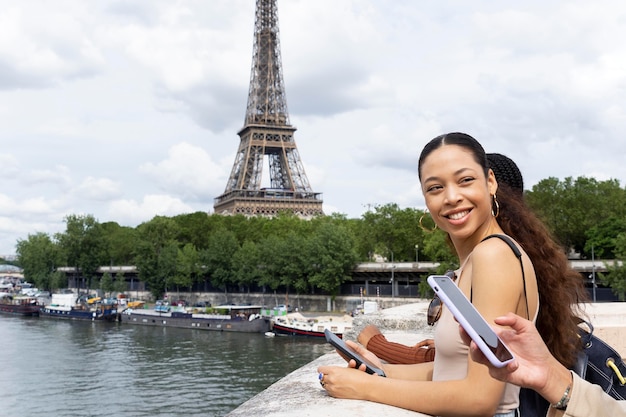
[587, 216]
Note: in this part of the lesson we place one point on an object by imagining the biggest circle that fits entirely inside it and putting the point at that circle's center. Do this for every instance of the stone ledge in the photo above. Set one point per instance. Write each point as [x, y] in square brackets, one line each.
[300, 393]
[404, 320]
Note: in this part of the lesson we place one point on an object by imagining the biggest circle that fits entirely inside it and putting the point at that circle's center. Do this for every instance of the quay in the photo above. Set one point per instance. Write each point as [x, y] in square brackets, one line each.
[301, 392]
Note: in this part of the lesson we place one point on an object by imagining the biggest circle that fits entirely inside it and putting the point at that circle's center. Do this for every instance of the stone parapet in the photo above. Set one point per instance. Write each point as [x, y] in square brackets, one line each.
[299, 393]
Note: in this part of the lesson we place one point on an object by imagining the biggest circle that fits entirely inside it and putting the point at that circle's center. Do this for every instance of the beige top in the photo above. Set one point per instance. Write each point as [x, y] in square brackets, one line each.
[452, 356]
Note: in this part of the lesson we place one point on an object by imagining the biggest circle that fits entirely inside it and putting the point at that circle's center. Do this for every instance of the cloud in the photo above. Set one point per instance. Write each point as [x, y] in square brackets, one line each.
[188, 172]
[99, 189]
[125, 110]
[132, 212]
[38, 50]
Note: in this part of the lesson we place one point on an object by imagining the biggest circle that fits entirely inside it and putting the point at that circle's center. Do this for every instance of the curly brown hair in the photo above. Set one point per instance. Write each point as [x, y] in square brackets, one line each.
[561, 289]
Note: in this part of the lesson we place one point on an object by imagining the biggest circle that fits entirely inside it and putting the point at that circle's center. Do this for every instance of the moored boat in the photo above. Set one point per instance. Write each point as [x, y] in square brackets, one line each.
[74, 307]
[20, 305]
[296, 324]
[227, 318]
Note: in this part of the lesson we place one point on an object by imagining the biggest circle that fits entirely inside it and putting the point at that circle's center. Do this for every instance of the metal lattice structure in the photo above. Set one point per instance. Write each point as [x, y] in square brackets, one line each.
[267, 133]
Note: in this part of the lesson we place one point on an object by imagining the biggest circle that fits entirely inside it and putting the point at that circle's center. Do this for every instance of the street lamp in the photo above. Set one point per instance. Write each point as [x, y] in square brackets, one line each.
[392, 275]
[417, 259]
[593, 273]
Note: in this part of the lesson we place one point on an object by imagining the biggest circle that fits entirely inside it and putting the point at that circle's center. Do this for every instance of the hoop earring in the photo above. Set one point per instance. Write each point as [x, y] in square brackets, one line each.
[422, 226]
[495, 204]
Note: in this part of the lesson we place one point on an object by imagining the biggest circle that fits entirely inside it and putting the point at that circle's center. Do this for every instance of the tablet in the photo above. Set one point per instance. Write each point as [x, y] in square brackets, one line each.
[341, 346]
[473, 323]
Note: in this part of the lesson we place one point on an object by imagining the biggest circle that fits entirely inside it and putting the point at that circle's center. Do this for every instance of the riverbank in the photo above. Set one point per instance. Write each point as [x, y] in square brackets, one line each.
[300, 391]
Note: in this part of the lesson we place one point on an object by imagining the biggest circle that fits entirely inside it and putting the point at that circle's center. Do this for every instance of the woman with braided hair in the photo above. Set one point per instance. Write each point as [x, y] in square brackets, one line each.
[510, 180]
[508, 263]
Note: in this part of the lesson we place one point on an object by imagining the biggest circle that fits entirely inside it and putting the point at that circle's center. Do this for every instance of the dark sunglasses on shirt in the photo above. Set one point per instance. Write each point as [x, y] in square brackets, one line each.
[434, 308]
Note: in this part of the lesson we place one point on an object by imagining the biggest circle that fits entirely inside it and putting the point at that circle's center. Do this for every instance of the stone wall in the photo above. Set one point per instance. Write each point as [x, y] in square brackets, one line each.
[299, 393]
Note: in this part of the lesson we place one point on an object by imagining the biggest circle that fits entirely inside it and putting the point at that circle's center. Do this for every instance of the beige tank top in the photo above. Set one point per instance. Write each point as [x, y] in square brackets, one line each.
[452, 356]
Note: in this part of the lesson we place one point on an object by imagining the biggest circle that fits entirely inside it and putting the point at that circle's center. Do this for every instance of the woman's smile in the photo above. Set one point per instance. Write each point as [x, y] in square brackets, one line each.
[458, 215]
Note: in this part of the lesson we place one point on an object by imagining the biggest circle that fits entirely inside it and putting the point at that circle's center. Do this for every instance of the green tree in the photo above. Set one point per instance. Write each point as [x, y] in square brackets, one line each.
[293, 263]
[157, 250]
[168, 266]
[195, 228]
[247, 264]
[601, 239]
[270, 250]
[106, 283]
[249, 228]
[615, 277]
[187, 266]
[218, 258]
[57, 281]
[389, 229]
[120, 244]
[572, 207]
[39, 256]
[83, 244]
[333, 256]
[120, 285]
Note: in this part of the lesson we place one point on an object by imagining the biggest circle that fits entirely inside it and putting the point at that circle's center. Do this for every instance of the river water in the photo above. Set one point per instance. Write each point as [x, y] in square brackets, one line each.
[70, 368]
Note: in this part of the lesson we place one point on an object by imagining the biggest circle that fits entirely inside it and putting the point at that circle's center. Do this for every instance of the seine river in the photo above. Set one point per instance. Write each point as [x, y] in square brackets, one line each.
[61, 368]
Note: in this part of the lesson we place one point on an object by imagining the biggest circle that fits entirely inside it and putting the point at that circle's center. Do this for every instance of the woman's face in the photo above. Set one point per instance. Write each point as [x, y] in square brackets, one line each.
[456, 191]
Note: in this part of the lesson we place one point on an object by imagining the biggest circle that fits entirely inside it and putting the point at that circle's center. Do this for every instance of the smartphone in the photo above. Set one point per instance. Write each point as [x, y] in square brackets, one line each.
[341, 346]
[470, 319]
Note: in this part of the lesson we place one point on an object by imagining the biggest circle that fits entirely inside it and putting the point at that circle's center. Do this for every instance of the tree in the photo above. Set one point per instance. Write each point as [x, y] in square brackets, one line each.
[247, 264]
[84, 245]
[57, 280]
[120, 285]
[332, 256]
[106, 283]
[293, 263]
[120, 244]
[389, 229]
[39, 256]
[157, 250]
[168, 266]
[615, 277]
[195, 228]
[572, 207]
[187, 266]
[218, 257]
[270, 251]
[602, 238]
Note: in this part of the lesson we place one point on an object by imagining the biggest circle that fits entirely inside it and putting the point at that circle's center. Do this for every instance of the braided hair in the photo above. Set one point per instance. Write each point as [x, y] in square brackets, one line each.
[506, 171]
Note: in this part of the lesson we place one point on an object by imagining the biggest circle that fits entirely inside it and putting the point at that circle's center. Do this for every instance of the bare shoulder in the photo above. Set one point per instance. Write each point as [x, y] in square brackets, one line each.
[489, 249]
[492, 257]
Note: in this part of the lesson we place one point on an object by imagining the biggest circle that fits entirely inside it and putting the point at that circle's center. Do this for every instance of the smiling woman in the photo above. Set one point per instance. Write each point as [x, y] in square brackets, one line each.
[466, 202]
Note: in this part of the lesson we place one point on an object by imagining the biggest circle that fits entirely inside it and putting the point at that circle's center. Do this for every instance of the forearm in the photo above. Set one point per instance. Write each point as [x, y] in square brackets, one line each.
[436, 398]
[414, 372]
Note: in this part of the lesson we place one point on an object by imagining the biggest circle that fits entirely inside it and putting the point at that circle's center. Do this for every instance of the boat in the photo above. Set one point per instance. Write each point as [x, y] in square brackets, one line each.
[80, 307]
[19, 305]
[162, 306]
[226, 318]
[295, 324]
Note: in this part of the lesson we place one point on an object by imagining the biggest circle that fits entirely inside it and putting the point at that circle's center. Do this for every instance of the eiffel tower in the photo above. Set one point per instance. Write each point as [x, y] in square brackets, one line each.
[267, 133]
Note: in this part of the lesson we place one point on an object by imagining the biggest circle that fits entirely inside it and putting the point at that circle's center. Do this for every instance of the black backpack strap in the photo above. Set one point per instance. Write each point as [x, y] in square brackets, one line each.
[518, 255]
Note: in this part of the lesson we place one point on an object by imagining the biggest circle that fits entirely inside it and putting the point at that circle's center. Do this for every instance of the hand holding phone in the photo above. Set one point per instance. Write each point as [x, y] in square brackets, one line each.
[341, 346]
[470, 319]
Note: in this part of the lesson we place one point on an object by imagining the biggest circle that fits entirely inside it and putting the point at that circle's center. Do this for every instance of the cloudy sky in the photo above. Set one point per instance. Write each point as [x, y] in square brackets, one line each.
[130, 109]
